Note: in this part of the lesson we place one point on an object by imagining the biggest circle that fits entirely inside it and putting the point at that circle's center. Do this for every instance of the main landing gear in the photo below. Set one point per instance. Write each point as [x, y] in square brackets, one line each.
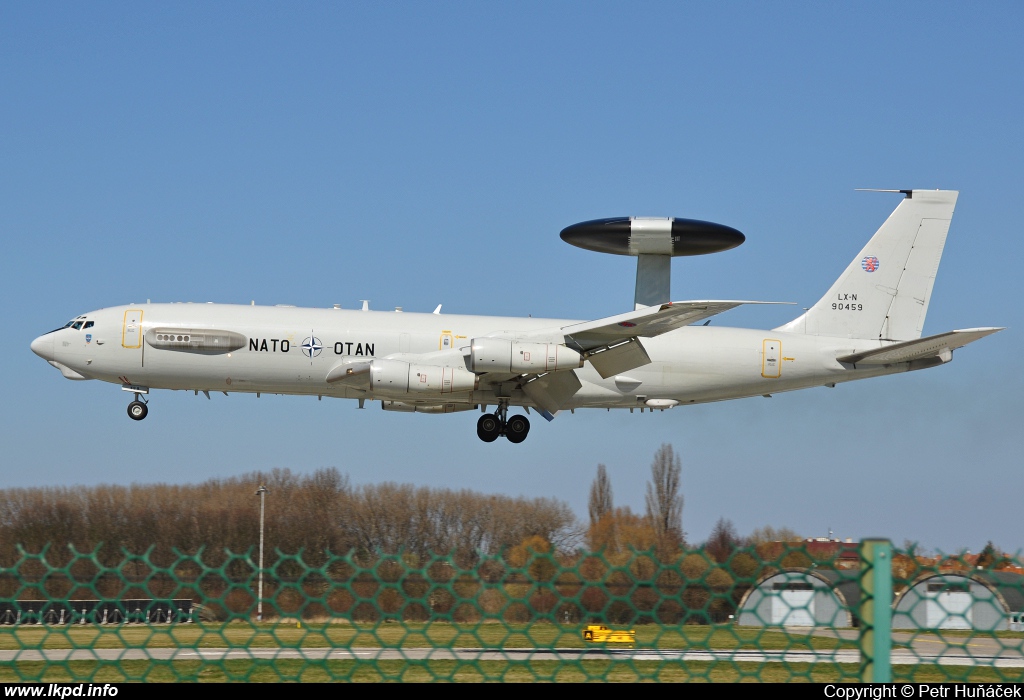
[137, 410]
[492, 425]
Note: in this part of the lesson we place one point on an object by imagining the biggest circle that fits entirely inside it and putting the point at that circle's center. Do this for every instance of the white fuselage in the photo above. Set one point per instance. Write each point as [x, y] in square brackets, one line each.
[693, 364]
[868, 324]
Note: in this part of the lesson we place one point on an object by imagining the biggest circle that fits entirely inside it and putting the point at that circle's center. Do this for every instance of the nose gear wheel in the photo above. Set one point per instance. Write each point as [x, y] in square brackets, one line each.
[137, 410]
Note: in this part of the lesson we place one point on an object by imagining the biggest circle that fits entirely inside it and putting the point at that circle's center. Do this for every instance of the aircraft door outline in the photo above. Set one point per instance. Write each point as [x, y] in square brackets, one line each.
[447, 341]
[131, 330]
[771, 358]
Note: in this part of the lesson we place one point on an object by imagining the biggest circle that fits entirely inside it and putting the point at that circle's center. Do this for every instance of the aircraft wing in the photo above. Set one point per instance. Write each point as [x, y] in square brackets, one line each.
[645, 323]
[941, 346]
[612, 345]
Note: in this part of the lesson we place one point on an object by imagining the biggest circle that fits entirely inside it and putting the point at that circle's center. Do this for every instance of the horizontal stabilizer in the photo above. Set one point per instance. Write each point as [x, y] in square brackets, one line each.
[941, 346]
[646, 322]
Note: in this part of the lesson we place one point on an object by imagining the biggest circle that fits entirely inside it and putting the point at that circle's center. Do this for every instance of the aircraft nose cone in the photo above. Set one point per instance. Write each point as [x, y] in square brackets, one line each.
[43, 346]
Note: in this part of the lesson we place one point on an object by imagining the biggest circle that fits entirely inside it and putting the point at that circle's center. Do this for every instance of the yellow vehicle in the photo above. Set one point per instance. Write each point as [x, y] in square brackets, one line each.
[599, 634]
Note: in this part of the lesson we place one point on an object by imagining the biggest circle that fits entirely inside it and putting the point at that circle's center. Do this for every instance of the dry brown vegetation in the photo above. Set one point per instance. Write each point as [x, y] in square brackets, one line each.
[386, 551]
[315, 514]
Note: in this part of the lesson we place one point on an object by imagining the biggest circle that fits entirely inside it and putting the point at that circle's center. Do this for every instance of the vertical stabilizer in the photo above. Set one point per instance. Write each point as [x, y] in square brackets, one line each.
[884, 292]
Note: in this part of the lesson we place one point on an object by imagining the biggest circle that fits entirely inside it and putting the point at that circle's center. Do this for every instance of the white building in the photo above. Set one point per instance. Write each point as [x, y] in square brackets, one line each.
[975, 600]
[801, 598]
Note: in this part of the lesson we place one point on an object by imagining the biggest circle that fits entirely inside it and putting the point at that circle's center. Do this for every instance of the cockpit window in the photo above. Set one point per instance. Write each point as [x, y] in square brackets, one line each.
[76, 323]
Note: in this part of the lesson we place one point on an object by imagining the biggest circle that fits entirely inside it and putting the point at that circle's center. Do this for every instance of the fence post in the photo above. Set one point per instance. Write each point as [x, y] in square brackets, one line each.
[875, 611]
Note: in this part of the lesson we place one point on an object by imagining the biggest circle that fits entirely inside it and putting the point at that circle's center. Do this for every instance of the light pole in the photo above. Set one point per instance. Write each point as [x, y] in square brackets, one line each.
[262, 493]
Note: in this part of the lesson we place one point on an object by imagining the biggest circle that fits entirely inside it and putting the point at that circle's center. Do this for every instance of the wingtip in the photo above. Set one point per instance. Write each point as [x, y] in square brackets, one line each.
[982, 329]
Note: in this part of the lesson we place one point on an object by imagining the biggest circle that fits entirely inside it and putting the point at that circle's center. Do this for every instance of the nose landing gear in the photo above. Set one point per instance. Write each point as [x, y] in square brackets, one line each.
[492, 425]
[137, 410]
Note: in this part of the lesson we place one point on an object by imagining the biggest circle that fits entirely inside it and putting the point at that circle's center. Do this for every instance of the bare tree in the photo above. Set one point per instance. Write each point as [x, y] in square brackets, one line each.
[600, 496]
[664, 502]
[768, 533]
[724, 540]
[318, 513]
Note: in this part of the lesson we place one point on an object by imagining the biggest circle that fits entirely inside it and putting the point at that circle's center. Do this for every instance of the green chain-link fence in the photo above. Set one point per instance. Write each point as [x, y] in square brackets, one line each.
[776, 612]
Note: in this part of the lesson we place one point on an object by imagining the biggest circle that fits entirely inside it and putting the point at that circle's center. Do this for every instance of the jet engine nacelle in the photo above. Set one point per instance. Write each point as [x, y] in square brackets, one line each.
[501, 355]
[398, 378]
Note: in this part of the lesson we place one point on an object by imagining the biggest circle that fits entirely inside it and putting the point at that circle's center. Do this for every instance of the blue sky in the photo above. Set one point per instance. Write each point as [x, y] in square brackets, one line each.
[423, 153]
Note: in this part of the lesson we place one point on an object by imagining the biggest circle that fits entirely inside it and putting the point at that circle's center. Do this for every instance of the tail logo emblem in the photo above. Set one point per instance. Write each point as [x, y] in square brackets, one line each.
[870, 263]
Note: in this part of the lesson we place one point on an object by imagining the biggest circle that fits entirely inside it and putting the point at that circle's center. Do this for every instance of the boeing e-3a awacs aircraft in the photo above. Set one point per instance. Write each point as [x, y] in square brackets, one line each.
[868, 324]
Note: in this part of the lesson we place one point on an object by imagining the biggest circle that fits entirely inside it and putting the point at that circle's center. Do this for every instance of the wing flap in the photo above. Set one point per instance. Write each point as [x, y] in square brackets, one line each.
[552, 390]
[933, 346]
[621, 358]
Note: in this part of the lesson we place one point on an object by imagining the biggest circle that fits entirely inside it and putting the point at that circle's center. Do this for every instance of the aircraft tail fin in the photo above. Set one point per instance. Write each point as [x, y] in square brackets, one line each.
[884, 292]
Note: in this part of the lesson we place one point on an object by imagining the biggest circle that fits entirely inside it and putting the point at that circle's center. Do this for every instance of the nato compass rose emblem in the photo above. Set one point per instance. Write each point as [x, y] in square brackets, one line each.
[870, 263]
[312, 347]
